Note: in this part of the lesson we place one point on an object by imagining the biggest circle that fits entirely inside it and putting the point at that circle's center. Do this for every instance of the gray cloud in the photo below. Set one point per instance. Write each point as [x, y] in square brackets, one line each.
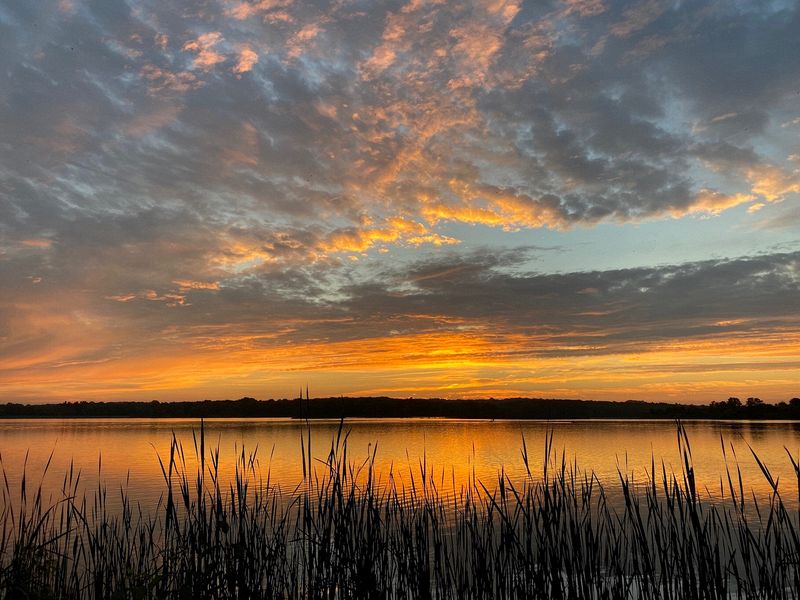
[606, 311]
[578, 313]
[346, 110]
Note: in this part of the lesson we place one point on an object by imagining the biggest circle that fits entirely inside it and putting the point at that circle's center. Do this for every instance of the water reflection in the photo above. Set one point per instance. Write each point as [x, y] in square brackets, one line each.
[113, 450]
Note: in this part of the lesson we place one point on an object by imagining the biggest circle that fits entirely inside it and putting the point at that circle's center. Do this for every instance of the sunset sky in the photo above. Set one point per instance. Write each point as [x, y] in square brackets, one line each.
[579, 198]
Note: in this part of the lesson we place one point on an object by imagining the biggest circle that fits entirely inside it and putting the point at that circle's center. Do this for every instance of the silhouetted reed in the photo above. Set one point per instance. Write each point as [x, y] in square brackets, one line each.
[348, 533]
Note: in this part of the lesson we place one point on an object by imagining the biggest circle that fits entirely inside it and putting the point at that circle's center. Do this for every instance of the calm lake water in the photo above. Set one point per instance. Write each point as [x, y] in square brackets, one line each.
[124, 452]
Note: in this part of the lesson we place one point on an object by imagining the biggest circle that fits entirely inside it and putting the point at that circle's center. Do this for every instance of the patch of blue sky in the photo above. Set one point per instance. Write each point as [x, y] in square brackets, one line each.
[608, 246]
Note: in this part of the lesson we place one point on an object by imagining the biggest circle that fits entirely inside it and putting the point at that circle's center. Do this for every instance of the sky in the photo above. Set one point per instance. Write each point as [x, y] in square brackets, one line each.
[571, 198]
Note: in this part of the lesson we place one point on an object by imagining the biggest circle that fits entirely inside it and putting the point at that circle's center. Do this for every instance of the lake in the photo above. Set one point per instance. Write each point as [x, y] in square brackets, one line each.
[124, 452]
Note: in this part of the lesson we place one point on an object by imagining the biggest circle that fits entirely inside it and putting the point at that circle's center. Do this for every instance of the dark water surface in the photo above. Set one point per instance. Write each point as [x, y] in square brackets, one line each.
[124, 452]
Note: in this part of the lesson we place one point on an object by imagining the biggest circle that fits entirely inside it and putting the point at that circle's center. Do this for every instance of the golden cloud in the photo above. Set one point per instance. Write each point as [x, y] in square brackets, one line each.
[246, 61]
[203, 48]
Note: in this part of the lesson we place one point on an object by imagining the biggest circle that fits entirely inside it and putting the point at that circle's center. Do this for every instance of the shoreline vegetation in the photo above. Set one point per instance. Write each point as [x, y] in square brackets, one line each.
[346, 532]
[393, 408]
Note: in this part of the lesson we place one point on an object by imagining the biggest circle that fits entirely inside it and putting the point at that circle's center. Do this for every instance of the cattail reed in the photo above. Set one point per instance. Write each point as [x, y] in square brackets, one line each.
[348, 532]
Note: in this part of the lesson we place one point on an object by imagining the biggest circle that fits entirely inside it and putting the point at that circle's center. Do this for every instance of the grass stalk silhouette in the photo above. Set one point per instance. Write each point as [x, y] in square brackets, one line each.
[347, 533]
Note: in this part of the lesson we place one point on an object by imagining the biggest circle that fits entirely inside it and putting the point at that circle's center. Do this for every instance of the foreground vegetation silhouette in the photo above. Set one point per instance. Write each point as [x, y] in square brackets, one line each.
[346, 532]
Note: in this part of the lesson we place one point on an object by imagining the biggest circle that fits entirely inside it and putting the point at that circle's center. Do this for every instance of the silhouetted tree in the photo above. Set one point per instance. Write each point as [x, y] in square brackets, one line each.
[338, 407]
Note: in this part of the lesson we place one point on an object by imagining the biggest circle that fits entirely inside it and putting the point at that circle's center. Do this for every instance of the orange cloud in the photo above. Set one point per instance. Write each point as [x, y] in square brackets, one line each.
[491, 206]
[41, 243]
[772, 183]
[122, 297]
[188, 284]
[170, 299]
[394, 230]
[247, 60]
[203, 48]
[477, 45]
[382, 58]
[245, 10]
[713, 202]
[301, 40]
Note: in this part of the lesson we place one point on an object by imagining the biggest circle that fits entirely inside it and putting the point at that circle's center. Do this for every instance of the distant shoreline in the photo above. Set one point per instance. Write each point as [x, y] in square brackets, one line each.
[399, 408]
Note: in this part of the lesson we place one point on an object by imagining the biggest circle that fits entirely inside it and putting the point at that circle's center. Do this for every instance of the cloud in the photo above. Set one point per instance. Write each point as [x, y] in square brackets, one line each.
[246, 61]
[245, 10]
[638, 16]
[154, 119]
[465, 310]
[587, 313]
[584, 8]
[203, 47]
[160, 81]
[37, 243]
[492, 113]
[773, 183]
[725, 117]
[302, 39]
[161, 40]
[396, 230]
[187, 284]
[713, 202]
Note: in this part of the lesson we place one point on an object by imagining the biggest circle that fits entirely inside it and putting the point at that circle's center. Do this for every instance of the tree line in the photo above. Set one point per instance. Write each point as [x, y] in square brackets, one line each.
[385, 407]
